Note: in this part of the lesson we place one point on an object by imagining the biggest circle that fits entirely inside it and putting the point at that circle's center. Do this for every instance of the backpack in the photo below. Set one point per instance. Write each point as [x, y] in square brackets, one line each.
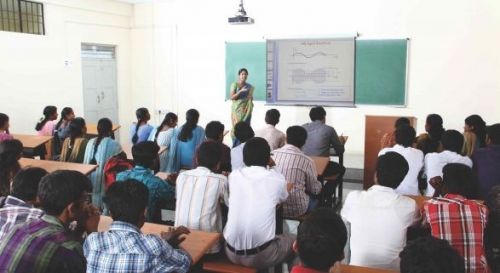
[113, 166]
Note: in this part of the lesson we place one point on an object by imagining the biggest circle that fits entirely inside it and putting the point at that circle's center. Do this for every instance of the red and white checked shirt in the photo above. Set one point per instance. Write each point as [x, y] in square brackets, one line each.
[461, 222]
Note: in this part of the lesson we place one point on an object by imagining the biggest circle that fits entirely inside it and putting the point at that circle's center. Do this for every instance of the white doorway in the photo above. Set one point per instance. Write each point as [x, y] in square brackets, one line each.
[99, 83]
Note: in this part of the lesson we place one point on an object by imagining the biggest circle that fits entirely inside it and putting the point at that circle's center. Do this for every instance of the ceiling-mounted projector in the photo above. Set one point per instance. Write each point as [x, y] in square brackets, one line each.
[241, 17]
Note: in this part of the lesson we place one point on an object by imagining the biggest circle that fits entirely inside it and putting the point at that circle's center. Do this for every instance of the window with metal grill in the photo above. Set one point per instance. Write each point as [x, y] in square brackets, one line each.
[22, 16]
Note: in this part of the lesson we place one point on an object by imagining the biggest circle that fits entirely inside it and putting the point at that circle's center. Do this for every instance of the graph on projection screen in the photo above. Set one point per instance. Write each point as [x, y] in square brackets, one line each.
[311, 71]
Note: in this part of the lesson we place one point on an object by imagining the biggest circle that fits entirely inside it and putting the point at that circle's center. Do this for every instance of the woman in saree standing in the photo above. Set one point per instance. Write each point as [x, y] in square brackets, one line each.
[242, 101]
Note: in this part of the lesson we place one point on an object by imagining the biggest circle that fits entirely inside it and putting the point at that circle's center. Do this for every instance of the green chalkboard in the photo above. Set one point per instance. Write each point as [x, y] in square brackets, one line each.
[381, 72]
[251, 56]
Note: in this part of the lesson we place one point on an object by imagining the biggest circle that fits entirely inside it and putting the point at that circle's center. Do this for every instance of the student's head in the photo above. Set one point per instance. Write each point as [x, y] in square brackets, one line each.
[434, 126]
[272, 116]
[405, 135]
[214, 130]
[49, 113]
[209, 155]
[64, 194]
[77, 128]
[256, 152]
[452, 140]
[493, 133]
[476, 124]
[104, 127]
[317, 113]
[459, 179]
[170, 121]
[296, 136]
[142, 115]
[391, 169]
[127, 201]
[145, 153]
[192, 117]
[67, 114]
[243, 131]
[25, 184]
[4, 122]
[428, 254]
[243, 74]
[10, 152]
[321, 239]
[401, 121]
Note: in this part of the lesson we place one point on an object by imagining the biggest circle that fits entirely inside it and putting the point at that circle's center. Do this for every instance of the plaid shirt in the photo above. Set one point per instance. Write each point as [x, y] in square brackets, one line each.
[16, 211]
[461, 222]
[125, 249]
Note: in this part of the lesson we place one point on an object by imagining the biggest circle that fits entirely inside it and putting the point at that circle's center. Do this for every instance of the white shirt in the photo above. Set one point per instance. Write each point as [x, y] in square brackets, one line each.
[379, 219]
[198, 194]
[274, 137]
[434, 163]
[254, 193]
[415, 160]
[237, 157]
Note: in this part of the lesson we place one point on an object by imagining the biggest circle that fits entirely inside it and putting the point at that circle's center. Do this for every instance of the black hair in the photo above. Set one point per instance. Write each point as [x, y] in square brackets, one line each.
[317, 113]
[25, 183]
[10, 152]
[242, 70]
[142, 116]
[493, 132]
[209, 154]
[59, 189]
[391, 169]
[65, 112]
[321, 239]
[48, 112]
[479, 125]
[436, 129]
[256, 152]
[243, 131]
[401, 121]
[428, 254]
[491, 232]
[3, 121]
[214, 130]
[168, 119]
[272, 117]
[76, 130]
[145, 153]
[192, 116]
[452, 140]
[296, 135]
[127, 200]
[459, 179]
[104, 129]
[405, 135]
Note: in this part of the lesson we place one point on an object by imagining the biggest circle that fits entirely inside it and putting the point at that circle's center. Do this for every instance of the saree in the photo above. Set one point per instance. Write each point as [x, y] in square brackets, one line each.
[241, 109]
[76, 152]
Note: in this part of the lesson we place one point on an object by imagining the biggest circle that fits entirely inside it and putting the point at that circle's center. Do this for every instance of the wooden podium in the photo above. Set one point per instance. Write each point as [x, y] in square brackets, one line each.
[375, 128]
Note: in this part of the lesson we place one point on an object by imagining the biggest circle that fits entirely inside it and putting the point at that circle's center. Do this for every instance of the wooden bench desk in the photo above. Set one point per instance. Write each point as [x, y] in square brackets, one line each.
[51, 166]
[344, 268]
[127, 148]
[32, 141]
[92, 129]
[196, 244]
[320, 162]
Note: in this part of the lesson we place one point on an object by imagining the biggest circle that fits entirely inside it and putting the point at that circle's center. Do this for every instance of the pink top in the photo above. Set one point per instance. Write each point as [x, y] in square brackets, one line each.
[5, 136]
[47, 129]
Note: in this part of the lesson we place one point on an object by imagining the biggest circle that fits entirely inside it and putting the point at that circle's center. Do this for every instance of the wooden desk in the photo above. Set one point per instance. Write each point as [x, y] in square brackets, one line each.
[92, 129]
[32, 141]
[127, 148]
[320, 162]
[51, 166]
[196, 244]
[344, 268]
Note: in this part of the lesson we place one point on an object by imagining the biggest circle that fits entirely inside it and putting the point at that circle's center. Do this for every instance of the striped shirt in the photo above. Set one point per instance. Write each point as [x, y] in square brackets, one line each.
[461, 222]
[40, 246]
[123, 248]
[300, 170]
[199, 195]
[16, 211]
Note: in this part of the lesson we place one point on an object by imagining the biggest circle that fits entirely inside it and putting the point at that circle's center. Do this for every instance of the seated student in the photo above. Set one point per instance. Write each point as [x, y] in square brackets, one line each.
[380, 217]
[46, 125]
[457, 219]
[215, 133]
[161, 193]
[388, 140]
[99, 150]
[429, 142]
[4, 127]
[487, 161]
[200, 192]
[20, 205]
[73, 147]
[255, 191]
[140, 130]
[452, 142]
[47, 244]
[299, 170]
[492, 230]
[474, 134]
[61, 130]
[184, 142]
[242, 132]
[273, 136]
[430, 255]
[10, 153]
[163, 136]
[124, 248]
[415, 158]
[323, 231]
